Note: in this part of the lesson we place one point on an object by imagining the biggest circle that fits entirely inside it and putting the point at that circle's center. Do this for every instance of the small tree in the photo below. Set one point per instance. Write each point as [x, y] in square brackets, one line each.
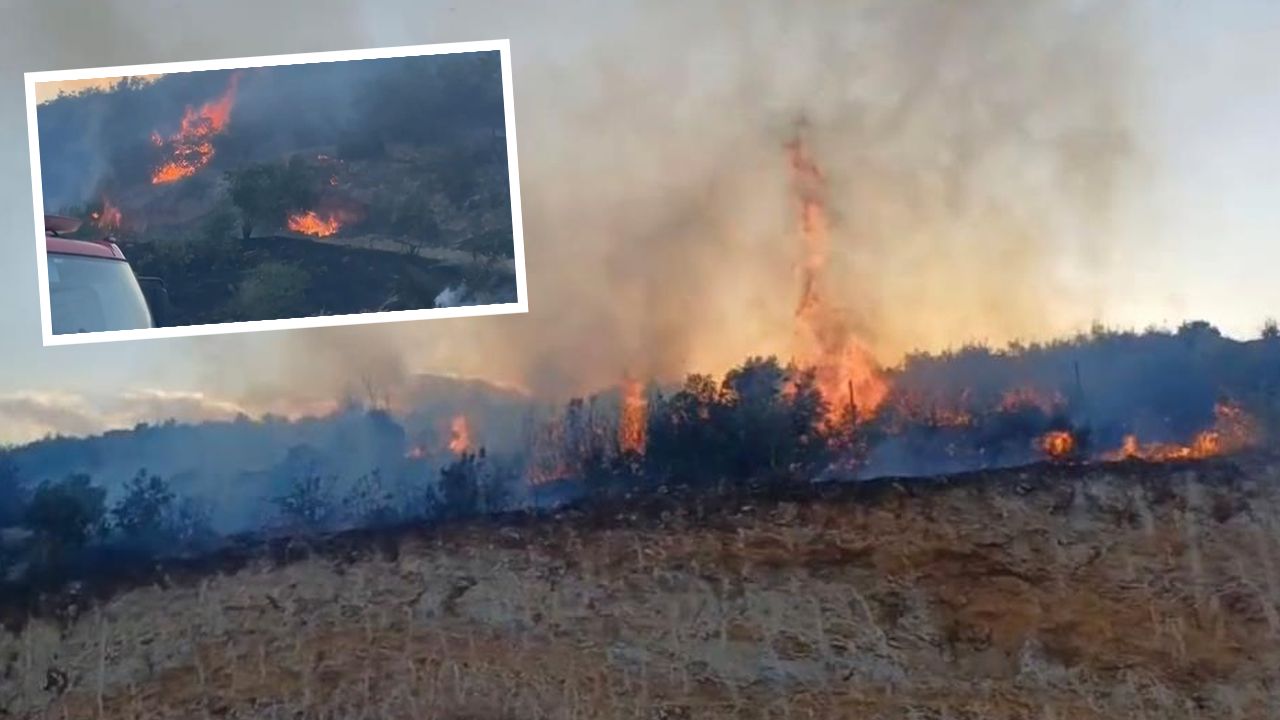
[369, 503]
[265, 193]
[1270, 330]
[12, 494]
[145, 513]
[65, 516]
[309, 504]
[272, 291]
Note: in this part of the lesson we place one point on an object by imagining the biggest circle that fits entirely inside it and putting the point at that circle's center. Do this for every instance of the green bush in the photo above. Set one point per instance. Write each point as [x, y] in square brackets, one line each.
[272, 291]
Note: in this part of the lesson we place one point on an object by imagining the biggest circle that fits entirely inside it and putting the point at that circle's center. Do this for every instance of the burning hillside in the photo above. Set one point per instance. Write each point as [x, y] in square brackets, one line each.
[191, 148]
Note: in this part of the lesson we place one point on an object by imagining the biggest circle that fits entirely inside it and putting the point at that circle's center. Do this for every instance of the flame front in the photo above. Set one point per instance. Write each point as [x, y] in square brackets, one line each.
[309, 223]
[633, 418]
[191, 148]
[845, 370]
[459, 435]
[1233, 430]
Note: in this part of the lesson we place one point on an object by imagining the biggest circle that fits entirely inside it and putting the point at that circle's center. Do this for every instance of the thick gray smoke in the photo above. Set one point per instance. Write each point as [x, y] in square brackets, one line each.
[974, 153]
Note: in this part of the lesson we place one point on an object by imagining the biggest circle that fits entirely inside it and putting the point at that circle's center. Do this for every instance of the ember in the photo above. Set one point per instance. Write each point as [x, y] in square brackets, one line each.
[460, 435]
[1057, 444]
[109, 218]
[191, 148]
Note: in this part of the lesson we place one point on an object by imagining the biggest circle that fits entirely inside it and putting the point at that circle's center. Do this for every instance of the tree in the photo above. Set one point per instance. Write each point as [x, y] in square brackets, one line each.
[309, 505]
[266, 193]
[12, 494]
[460, 486]
[1270, 330]
[65, 516]
[144, 515]
[369, 503]
[272, 291]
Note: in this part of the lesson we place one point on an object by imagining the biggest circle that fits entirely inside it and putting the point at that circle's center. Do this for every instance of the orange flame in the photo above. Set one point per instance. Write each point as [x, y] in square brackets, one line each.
[1025, 397]
[633, 418]
[1057, 444]
[844, 367]
[309, 223]
[1233, 430]
[191, 148]
[110, 217]
[459, 435]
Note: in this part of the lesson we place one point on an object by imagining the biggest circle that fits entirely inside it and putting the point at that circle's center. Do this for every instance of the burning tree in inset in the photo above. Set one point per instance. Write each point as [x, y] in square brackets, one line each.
[191, 148]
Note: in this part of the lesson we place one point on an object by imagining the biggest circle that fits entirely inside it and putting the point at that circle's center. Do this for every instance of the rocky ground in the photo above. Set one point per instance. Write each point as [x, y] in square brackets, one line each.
[1045, 593]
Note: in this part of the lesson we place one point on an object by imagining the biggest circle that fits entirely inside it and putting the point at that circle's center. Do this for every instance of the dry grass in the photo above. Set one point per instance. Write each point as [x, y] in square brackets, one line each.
[1098, 599]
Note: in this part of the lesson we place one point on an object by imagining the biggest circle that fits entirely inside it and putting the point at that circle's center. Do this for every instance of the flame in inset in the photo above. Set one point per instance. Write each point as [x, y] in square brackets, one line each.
[1025, 397]
[191, 148]
[110, 217]
[844, 367]
[459, 435]
[309, 223]
[633, 418]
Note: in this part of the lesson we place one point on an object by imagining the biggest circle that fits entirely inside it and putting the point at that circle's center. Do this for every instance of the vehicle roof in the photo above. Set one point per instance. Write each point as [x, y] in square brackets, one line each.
[88, 248]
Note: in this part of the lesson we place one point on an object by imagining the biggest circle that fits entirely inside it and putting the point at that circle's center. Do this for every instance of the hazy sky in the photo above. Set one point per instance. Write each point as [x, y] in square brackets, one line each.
[1196, 238]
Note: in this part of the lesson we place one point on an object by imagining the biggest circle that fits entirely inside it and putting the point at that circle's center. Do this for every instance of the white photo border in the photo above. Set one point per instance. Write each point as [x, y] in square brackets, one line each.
[503, 47]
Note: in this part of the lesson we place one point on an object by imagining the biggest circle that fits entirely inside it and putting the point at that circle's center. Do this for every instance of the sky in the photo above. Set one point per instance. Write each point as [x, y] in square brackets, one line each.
[1192, 235]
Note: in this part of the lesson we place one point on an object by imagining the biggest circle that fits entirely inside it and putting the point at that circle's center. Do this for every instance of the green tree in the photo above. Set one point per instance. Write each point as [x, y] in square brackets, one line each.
[272, 291]
[65, 516]
[309, 505]
[266, 193]
[12, 494]
[144, 515]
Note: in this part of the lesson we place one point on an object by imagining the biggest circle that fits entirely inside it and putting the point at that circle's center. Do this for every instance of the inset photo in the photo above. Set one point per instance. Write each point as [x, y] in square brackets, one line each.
[272, 193]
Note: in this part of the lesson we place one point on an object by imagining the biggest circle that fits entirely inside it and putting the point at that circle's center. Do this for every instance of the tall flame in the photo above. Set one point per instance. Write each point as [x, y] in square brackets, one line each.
[633, 418]
[459, 435]
[191, 148]
[845, 369]
[309, 223]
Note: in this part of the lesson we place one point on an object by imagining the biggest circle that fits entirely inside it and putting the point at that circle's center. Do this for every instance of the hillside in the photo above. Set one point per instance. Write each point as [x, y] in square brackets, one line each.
[1128, 590]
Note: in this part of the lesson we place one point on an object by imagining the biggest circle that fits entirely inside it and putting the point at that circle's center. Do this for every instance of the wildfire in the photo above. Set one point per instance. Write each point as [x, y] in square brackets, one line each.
[191, 148]
[845, 370]
[309, 223]
[108, 218]
[633, 418]
[459, 435]
[1057, 444]
[1233, 430]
